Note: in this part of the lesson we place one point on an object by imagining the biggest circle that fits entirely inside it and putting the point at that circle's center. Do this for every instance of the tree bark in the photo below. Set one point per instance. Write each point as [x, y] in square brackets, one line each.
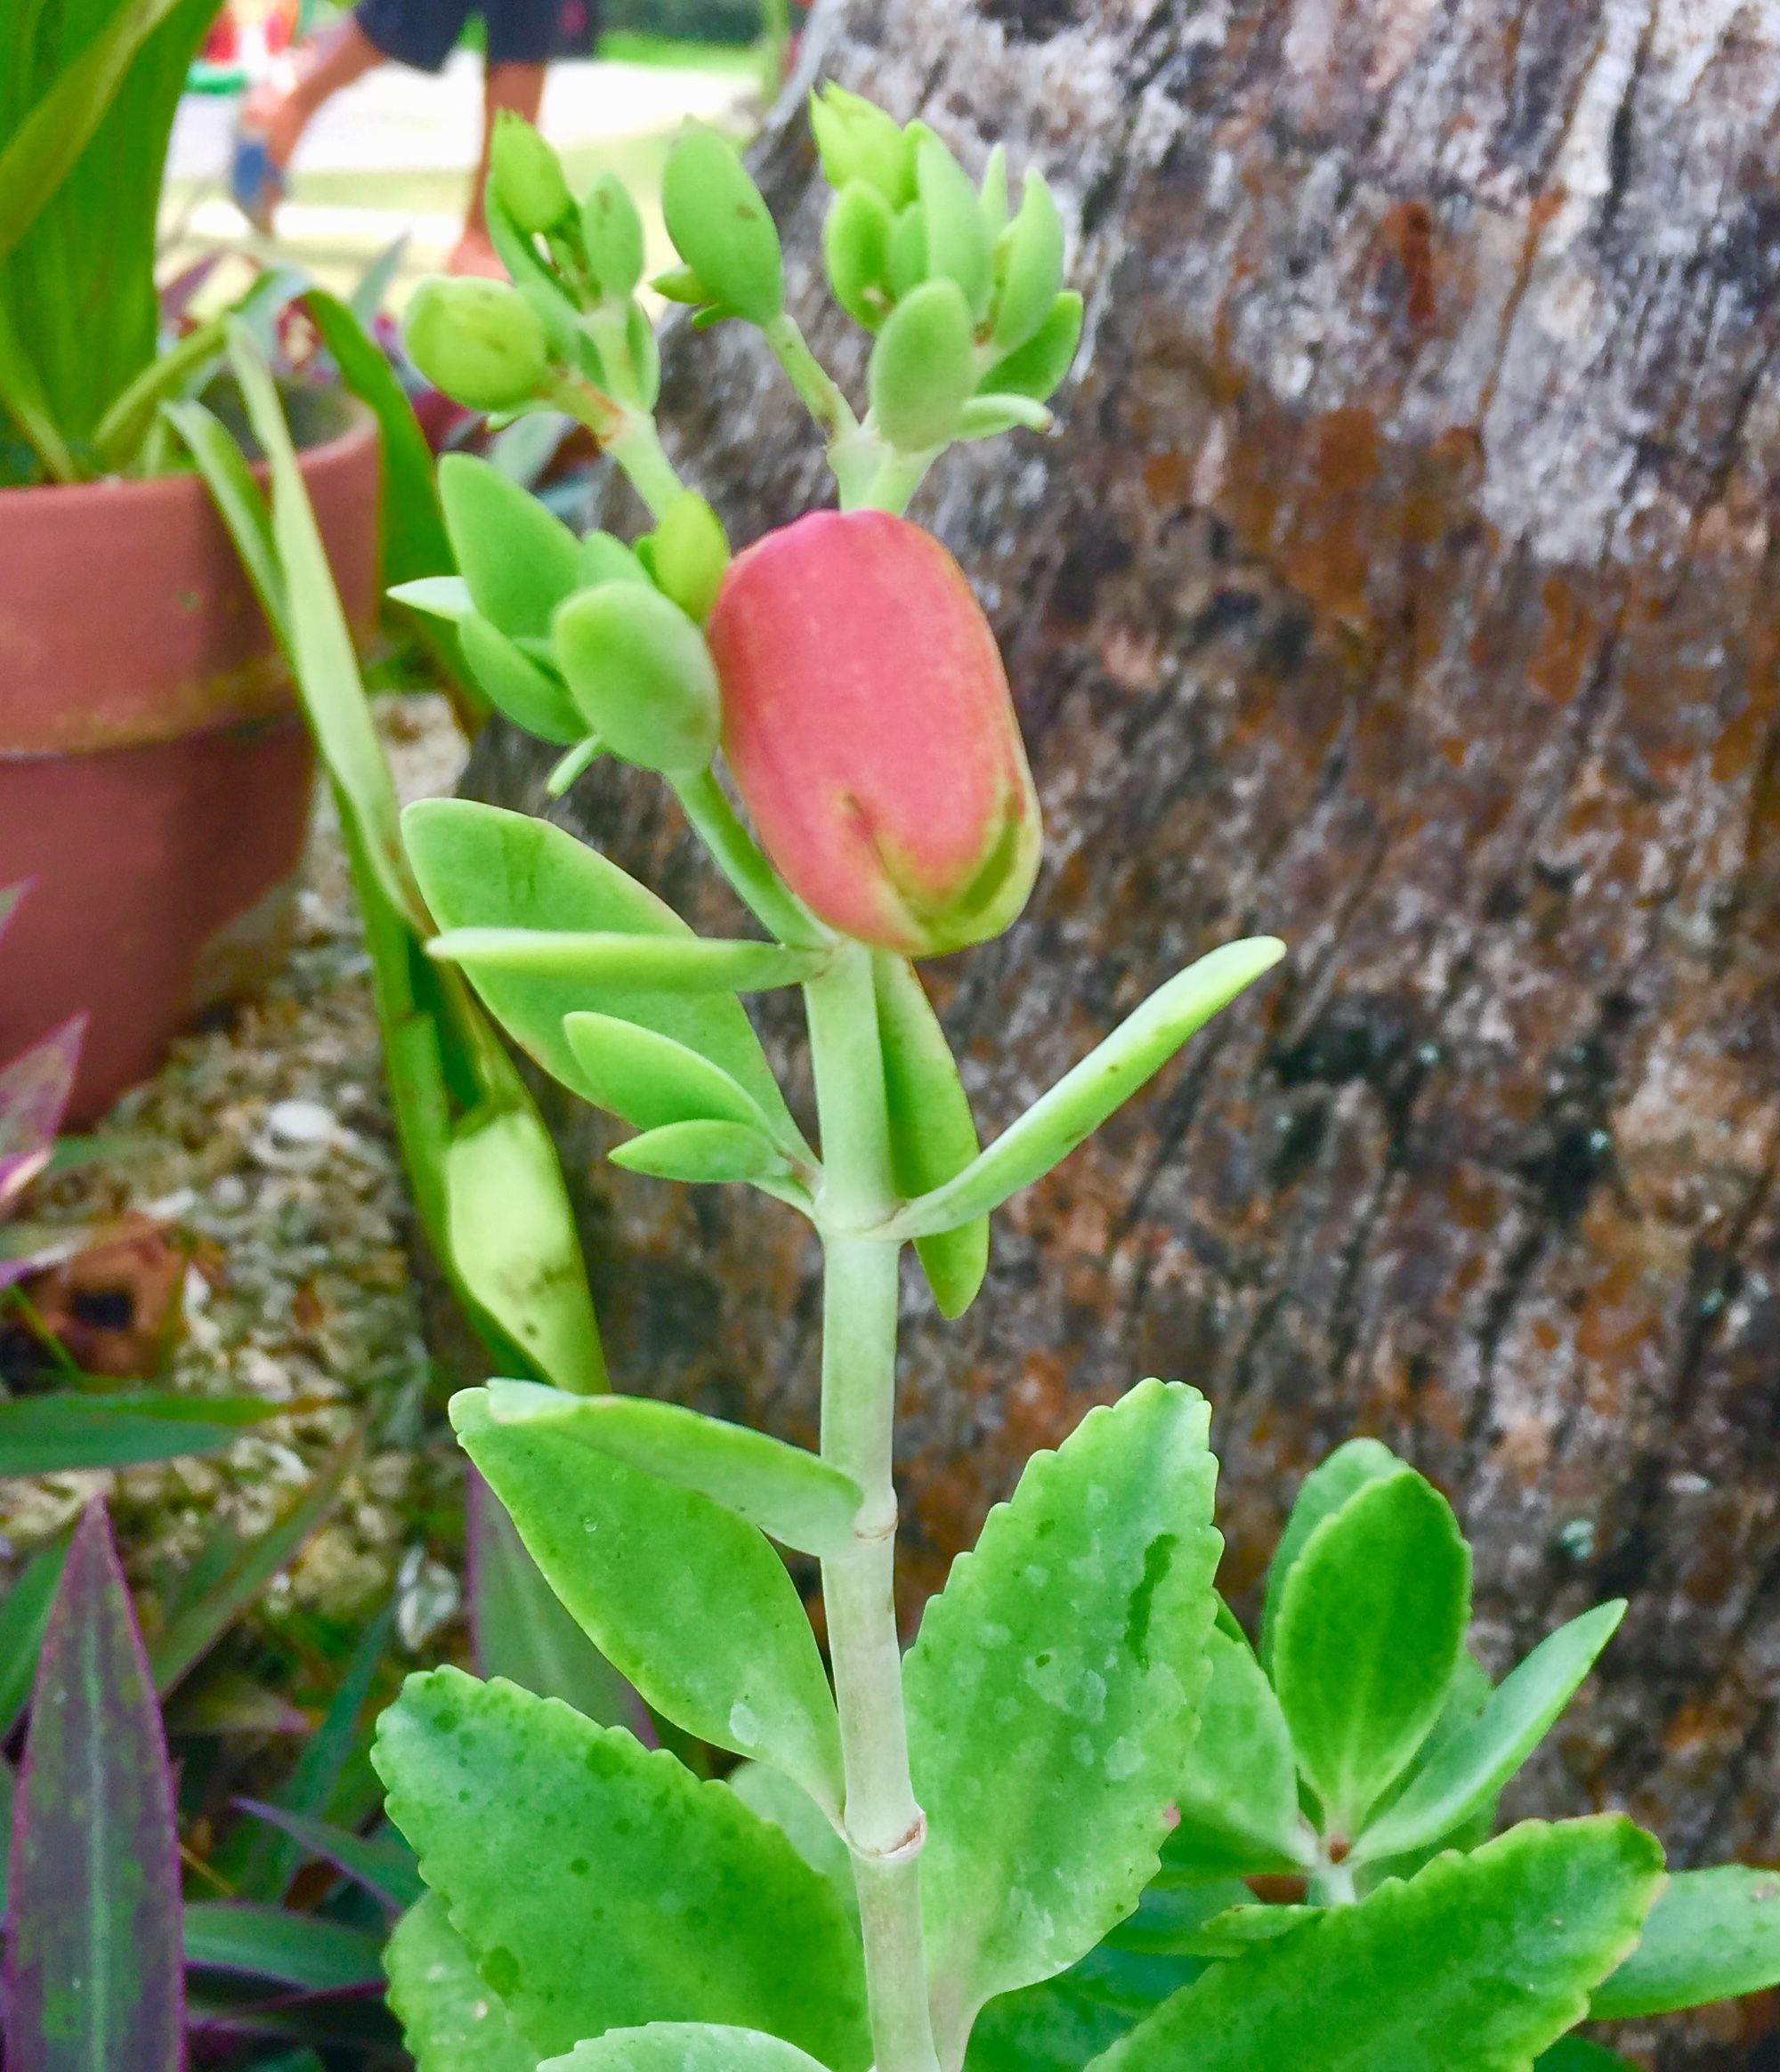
[1402, 580]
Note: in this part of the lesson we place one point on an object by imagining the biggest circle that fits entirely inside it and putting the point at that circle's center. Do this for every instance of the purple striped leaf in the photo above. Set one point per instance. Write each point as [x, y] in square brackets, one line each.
[94, 1979]
[33, 1092]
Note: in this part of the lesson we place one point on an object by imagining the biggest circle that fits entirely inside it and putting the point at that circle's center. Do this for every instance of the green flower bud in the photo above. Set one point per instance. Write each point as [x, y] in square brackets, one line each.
[645, 354]
[995, 191]
[638, 669]
[720, 227]
[959, 246]
[690, 556]
[856, 245]
[1039, 366]
[479, 341]
[908, 251]
[527, 175]
[1032, 275]
[612, 232]
[859, 142]
[607, 560]
[922, 368]
[530, 696]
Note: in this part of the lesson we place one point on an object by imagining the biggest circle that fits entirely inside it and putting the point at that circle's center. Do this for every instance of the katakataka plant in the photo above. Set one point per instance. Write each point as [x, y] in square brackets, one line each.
[1022, 1844]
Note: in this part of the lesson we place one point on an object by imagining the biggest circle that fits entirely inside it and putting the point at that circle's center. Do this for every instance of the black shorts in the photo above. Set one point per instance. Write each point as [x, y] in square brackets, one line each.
[424, 33]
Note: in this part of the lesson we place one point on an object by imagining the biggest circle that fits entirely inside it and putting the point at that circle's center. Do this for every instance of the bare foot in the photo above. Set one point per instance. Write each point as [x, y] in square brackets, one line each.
[476, 256]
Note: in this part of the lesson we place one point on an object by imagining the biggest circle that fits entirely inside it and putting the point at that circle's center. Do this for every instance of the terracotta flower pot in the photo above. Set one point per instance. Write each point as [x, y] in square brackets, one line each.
[154, 772]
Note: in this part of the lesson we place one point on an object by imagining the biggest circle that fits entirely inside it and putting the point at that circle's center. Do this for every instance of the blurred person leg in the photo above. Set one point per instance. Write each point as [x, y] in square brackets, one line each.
[522, 37]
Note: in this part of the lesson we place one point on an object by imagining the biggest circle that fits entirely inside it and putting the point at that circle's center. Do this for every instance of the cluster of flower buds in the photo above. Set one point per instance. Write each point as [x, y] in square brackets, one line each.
[975, 329]
[842, 663]
[569, 308]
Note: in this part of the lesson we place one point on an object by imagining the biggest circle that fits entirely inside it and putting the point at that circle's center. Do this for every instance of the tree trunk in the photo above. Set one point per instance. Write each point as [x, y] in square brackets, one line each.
[1402, 580]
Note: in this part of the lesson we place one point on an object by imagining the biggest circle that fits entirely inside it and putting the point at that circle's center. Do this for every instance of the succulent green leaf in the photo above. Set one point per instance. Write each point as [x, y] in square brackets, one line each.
[603, 960]
[612, 231]
[1326, 1488]
[639, 670]
[933, 1134]
[1480, 1961]
[446, 597]
[1238, 1793]
[450, 2019]
[650, 1081]
[1240, 1928]
[608, 560]
[1474, 1764]
[1713, 1935]
[683, 1598]
[922, 370]
[1038, 368]
[702, 1153]
[615, 1889]
[1058, 2025]
[771, 1794]
[959, 245]
[482, 866]
[1577, 2054]
[1052, 1696]
[645, 355]
[519, 559]
[1033, 278]
[1085, 1096]
[516, 685]
[856, 249]
[908, 250]
[988, 416]
[795, 1496]
[678, 2046]
[1370, 1630]
[515, 1244]
[858, 140]
[720, 227]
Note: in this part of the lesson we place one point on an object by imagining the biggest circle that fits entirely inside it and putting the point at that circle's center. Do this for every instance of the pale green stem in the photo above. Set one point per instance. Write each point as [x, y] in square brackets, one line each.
[628, 436]
[812, 380]
[892, 481]
[884, 1827]
[736, 854]
[1334, 1885]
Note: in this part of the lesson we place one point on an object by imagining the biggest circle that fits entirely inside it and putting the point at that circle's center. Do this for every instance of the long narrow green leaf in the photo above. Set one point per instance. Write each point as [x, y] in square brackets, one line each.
[23, 1615]
[1712, 1936]
[240, 505]
[655, 963]
[1480, 1961]
[221, 1588]
[1085, 1096]
[42, 151]
[413, 527]
[272, 1942]
[384, 1864]
[794, 1495]
[271, 1860]
[1474, 1765]
[52, 1435]
[326, 668]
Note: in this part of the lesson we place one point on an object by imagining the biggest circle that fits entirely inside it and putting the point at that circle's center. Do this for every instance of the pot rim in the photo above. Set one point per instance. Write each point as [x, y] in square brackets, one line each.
[360, 424]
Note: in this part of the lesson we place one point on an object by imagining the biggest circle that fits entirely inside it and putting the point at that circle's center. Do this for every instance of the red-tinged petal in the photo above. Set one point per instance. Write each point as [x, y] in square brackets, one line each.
[867, 723]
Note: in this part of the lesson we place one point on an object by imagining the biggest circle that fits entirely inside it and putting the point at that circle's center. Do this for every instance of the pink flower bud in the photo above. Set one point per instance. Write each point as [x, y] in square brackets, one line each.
[867, 720]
